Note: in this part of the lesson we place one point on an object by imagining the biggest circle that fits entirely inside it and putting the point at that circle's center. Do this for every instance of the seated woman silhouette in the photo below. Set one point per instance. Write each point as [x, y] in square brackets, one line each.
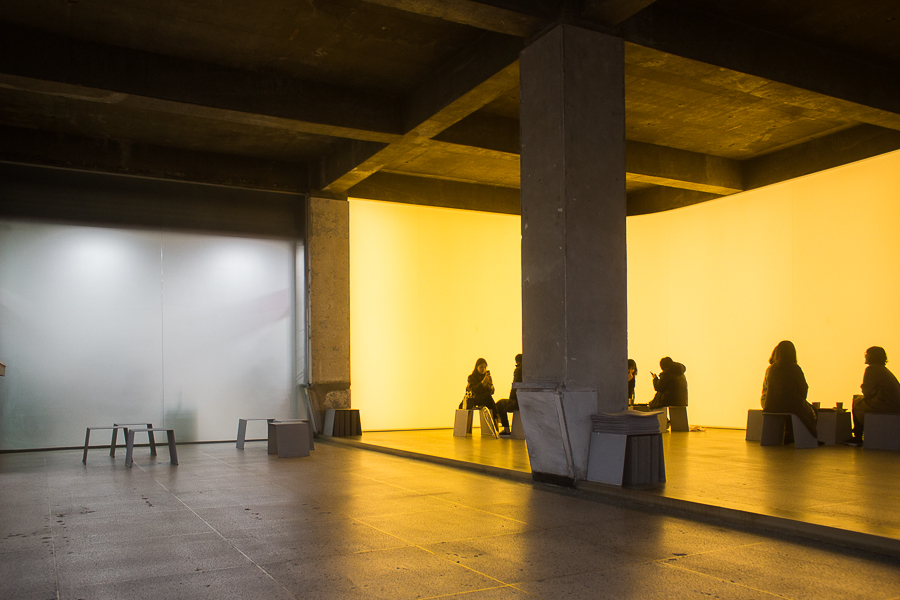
[479, 392]
[785, 388]
[632, 379]
[880, 391]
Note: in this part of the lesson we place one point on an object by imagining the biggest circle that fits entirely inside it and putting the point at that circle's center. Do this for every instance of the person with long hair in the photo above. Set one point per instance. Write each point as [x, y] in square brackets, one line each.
[480, 390]
[785, 388]
[880, 391]
[632, 379]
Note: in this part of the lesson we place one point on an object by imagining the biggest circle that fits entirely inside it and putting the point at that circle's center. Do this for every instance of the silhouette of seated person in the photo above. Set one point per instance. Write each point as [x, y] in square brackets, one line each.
[670, 385]
[480, 390]
[785, 388]
[632, 379]
[880, 391]
[511, 403]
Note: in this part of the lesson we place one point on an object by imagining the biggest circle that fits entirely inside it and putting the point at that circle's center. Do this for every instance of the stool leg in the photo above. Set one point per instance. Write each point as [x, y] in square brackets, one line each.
[112, 443]
[173, 454]
[152, 440]
[241, 434]
[87, 440]
[129, 447]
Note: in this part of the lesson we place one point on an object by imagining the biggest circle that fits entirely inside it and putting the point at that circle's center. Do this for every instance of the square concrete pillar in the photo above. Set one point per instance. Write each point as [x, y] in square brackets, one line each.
[328, 278]
[574, 296]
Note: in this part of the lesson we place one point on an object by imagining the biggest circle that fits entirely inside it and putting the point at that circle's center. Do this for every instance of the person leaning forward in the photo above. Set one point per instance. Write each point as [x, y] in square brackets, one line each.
[670, 385]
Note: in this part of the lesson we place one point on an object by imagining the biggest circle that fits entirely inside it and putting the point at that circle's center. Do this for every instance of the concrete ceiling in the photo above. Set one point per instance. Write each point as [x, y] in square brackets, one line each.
[417, 100]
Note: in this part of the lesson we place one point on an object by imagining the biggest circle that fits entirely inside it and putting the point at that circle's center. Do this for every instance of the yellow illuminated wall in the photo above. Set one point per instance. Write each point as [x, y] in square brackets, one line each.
[431, 290]
[815, 260]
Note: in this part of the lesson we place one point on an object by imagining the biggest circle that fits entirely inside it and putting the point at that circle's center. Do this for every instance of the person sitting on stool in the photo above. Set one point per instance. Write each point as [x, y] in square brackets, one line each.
[785, 388]
[479, 392]
[670, 385]
[632, 379]
[512, 403]
[880, 392]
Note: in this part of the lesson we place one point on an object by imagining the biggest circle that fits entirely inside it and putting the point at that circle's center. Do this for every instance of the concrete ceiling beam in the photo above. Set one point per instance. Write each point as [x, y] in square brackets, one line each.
[844, 147]
[659, 199]
[519, 18]
[49, 64]
[456, 90]
[676, 168]
[28, 146]
[408, 189]
[840, 82]
[612, 12]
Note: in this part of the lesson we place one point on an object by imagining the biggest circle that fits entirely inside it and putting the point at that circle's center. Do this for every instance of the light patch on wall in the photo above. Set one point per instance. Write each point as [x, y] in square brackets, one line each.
[718, 285]
[431, 290]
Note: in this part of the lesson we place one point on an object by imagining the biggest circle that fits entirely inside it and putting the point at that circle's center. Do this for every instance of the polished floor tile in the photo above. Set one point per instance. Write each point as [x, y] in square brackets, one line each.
[351, 523]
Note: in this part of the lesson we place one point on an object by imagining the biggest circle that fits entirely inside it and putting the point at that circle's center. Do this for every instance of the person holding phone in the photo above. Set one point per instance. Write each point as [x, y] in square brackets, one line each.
[480, 390]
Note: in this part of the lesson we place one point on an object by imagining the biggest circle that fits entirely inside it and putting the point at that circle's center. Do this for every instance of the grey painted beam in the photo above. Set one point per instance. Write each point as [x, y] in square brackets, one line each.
[849, 145]
[394, 187]
[51, 64]
[27, 146]
[863, 91]
[475, 77]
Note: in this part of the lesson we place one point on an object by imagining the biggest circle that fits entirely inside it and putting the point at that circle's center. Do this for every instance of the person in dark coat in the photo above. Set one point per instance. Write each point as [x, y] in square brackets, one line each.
[632, 379]
[670, 385]
[785, 388]
[480, 390]
[512, 403]
[880, 391]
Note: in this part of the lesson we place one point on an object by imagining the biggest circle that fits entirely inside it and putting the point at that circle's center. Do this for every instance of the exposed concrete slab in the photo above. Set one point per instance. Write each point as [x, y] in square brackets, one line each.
[658, 199]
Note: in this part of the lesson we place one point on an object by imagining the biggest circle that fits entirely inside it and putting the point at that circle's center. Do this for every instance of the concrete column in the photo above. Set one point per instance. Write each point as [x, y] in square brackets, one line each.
[573, 214]
[328, 278]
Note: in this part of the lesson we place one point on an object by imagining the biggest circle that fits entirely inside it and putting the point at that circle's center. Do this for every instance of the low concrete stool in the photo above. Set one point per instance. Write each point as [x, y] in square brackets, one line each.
[112, 445]
[129, 443]
[774, 426]
[289, 439]
[462, 422]
[626, 459]
[242, 431]
[341, 422]
[754, 425]
[833, 427]
[274, 447]
[518, 430]
[678, 418]
[149, 429]
[882, 431]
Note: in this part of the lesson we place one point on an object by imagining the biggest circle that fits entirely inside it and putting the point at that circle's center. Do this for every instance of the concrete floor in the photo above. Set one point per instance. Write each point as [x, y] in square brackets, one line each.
[351, 523]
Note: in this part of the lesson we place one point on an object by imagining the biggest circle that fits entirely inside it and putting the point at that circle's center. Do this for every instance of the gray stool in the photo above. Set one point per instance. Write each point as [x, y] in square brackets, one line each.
[678, 418]
[518, 430]
[774, 426]
[290, 439]
[754, 425]
[242, 431]
[882, 431]
[112, 445]
[129, 443]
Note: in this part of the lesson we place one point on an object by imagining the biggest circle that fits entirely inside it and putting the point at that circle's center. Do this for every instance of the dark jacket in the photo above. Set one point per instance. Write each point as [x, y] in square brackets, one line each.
[785, 388]
[881, 390]
[517, 378]
[477, 390]
[671, 387]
